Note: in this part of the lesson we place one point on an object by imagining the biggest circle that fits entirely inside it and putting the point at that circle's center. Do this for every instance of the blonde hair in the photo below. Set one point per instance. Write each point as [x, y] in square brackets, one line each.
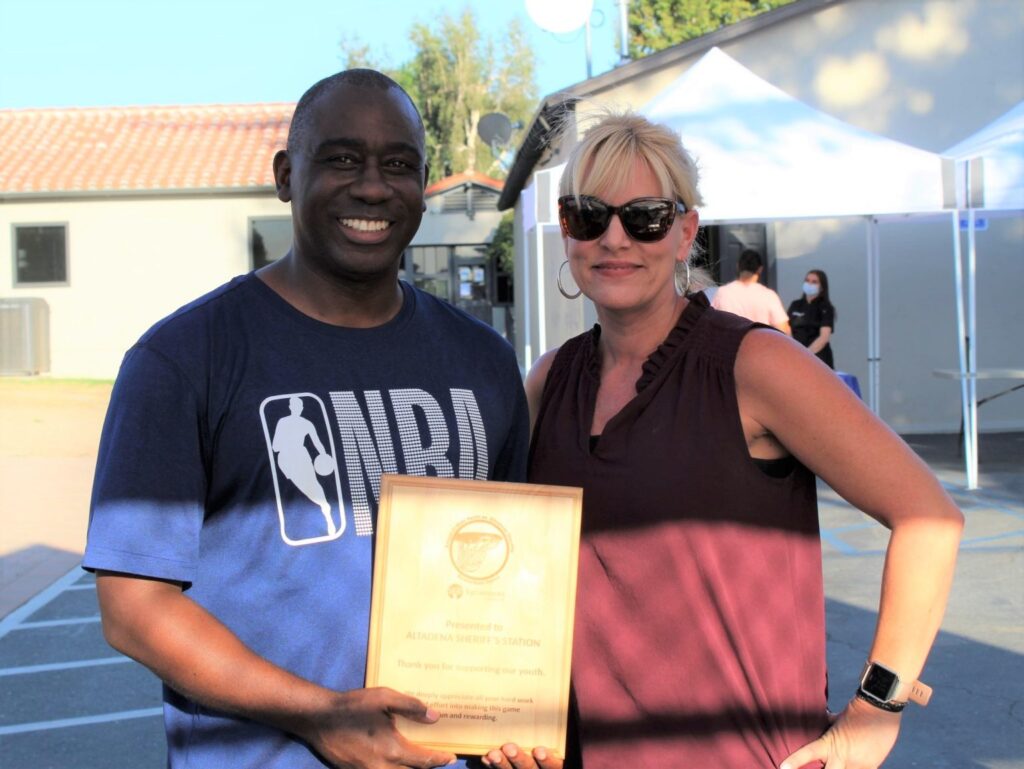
[609, 150]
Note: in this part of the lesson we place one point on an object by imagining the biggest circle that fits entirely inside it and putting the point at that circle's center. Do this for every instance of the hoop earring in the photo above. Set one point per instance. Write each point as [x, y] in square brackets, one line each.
[561, 289]
[683, 288]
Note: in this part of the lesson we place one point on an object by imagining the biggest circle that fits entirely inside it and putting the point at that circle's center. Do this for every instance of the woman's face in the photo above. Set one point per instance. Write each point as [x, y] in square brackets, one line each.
[622, 274]
[813, 280]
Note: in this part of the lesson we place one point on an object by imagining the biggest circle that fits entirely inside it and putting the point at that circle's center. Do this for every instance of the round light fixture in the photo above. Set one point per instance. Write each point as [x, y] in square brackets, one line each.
[560, 16]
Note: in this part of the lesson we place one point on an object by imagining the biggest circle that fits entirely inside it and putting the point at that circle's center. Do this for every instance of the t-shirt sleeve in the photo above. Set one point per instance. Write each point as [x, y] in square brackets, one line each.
[828, 316]
[150, 482]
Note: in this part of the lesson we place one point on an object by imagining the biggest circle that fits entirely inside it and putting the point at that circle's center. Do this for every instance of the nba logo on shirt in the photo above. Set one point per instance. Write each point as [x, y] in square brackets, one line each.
[304, 464]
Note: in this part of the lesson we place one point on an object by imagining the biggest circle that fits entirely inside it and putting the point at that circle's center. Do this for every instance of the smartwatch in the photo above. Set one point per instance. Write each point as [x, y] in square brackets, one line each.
[879, 686]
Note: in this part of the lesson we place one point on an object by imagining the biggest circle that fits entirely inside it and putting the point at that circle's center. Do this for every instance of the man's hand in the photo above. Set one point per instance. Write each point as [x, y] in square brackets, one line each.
[509, 756]
[860, 738]
[153, 622]
[359, 732]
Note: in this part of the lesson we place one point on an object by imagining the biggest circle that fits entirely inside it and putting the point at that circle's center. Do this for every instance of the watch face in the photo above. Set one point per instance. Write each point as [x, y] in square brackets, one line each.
[880, 682]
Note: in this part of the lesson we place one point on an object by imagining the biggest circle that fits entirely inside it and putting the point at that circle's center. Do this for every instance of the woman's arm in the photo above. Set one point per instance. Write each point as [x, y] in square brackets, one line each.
[831, 431]
[534, 384]
[154, 623]
[824, 334]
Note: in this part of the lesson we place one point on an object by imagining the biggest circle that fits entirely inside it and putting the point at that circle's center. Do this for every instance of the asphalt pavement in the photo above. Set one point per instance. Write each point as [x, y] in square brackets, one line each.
[68, 700]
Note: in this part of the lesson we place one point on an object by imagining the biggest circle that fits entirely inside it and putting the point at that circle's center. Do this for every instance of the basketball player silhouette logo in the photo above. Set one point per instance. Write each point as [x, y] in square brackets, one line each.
[290, 439]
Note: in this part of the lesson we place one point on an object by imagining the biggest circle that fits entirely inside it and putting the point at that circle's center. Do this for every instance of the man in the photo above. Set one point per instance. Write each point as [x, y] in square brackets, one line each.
[747, 297]
[215, 566]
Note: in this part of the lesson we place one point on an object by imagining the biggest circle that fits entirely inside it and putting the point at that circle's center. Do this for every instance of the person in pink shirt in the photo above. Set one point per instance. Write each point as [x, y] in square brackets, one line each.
[747, 298]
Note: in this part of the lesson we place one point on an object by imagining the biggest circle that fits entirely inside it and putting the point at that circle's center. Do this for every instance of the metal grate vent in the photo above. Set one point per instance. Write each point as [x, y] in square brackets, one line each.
[24, 336]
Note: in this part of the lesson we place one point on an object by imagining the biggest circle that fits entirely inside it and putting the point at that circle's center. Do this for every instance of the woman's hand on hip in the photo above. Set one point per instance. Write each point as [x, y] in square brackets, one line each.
[861, 737]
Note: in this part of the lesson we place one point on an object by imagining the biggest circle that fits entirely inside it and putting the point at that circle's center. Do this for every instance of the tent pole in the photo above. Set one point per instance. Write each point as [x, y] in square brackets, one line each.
[541, 324]
[523, 294]
[961, 338]
[972, 344]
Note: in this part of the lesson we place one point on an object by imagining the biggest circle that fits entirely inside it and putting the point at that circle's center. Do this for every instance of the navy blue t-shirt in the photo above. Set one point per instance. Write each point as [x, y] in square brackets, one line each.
[242, 455]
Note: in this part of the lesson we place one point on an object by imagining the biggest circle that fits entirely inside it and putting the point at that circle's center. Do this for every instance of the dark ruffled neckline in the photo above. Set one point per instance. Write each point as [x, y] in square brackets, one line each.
[688, 319]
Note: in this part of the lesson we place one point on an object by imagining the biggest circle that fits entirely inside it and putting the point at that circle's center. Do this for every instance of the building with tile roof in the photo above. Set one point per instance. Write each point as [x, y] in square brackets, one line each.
[132, 150]
[110, 218]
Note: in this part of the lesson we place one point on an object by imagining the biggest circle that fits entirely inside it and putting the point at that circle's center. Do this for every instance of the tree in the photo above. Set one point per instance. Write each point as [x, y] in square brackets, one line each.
[658, 24]
[456, 77]
[501, 249]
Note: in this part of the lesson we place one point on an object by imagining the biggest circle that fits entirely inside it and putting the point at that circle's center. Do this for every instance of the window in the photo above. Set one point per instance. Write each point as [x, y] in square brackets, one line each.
[428, 267]
[269, 240]
[469, 199]
[40, 254]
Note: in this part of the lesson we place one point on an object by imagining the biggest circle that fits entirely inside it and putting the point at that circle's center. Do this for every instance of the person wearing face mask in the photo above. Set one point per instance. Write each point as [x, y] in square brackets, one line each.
[813, 318]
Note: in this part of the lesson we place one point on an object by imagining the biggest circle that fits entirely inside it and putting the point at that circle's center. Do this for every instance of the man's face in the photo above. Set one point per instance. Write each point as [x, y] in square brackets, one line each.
[355, 183]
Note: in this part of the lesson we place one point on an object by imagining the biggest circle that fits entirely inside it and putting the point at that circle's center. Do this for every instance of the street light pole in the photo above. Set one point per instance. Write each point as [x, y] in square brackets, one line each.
[590, 68]
[623, 31]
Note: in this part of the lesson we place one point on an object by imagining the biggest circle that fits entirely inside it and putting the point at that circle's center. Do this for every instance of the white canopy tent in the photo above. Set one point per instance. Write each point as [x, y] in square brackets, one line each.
[990, 178]
[1000, 148]
[764, 155]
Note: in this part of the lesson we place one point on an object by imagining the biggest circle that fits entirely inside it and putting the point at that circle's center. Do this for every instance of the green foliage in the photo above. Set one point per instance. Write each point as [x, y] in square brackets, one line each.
[658, 24]
[500, 249]
[456, 77]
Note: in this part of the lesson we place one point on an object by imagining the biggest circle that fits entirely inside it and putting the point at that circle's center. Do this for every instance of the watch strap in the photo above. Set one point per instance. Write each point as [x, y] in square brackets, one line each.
[919, 693]
[915, 691]
[892, 706]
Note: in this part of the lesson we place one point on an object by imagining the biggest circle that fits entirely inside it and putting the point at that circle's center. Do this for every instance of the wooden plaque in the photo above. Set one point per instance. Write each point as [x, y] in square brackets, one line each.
[474, 592]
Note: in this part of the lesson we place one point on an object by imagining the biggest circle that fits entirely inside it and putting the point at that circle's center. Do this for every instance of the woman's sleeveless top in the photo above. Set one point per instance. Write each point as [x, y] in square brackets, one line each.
[700, 629]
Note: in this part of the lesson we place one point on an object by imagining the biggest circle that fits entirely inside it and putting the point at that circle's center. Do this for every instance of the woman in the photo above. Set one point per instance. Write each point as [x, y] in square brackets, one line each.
[812, 317]
[699, 637]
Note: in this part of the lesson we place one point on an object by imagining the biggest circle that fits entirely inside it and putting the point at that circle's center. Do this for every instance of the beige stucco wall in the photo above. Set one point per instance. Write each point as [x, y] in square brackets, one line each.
[439, 227]
[927, 73]
[133, 260]
[130, 262]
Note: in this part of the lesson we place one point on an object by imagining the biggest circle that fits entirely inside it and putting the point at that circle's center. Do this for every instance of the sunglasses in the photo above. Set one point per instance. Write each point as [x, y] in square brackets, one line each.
[647, 220]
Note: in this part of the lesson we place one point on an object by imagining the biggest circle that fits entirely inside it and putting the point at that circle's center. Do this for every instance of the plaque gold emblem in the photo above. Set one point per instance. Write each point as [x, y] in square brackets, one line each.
[479, 548]
[474, 592]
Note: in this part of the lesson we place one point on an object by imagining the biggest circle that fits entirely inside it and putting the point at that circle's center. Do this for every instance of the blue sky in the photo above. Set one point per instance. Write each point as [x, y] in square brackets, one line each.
[81, 53]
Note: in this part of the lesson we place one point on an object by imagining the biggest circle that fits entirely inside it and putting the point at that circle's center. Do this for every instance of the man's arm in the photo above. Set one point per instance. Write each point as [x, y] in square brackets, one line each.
[780, 318]
[153, 622]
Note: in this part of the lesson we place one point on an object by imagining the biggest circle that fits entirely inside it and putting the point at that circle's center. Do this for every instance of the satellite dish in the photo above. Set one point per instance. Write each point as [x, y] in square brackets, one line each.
[495, 128]
[559, 16]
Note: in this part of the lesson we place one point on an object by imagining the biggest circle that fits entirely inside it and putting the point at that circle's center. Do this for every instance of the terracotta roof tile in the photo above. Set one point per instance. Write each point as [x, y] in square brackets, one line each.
[455, 180]
[122, 149]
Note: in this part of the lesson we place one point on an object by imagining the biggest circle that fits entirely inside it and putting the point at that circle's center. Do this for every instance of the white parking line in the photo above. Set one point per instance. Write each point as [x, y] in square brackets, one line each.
[57, 622]
[63, 666]
[30, 607]
[61, 723]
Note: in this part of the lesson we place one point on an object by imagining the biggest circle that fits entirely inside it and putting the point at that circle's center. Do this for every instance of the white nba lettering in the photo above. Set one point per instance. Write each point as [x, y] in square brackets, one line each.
[369, 453]
[420, 454]
[366, 458]
[472, 436]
